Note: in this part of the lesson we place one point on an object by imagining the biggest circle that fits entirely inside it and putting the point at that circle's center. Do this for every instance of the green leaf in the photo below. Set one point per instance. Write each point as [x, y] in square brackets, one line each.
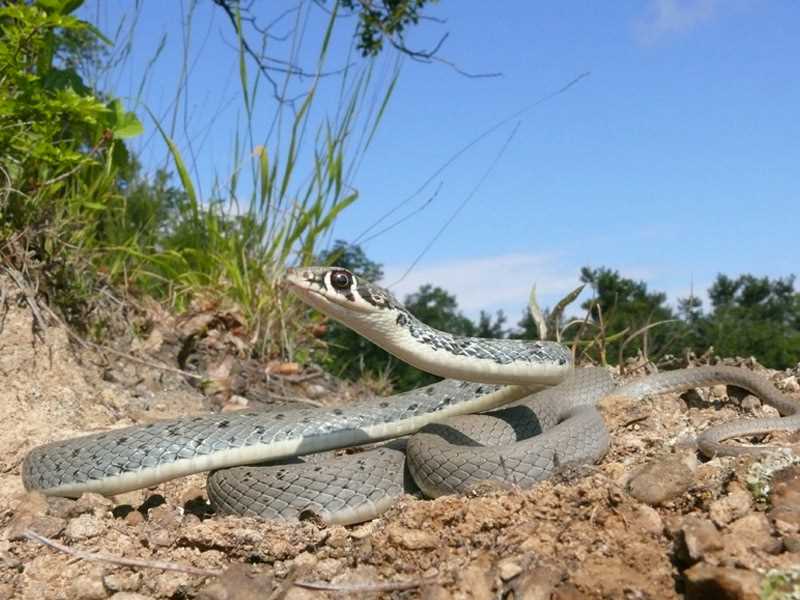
[183, 172]
[127, 126]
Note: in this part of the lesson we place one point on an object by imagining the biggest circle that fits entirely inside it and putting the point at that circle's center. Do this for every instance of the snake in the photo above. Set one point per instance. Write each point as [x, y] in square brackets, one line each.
[508, 413]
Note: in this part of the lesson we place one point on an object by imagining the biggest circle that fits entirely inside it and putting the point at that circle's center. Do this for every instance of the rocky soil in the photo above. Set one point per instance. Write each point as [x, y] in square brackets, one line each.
[651, 520]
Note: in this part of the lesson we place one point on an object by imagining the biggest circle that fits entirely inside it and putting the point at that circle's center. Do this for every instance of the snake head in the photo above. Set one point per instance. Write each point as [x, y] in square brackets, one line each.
[339, 293]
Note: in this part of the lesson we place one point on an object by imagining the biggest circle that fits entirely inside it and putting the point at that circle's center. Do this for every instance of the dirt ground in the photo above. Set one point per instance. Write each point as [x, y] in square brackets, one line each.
[650, 521]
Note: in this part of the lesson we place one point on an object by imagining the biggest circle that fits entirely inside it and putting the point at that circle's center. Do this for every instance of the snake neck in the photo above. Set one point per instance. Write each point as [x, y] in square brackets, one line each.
[485, 360]
[375, 314]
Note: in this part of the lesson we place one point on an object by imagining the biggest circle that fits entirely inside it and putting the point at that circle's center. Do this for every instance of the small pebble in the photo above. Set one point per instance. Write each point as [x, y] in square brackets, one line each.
[83, 527]
[661, 480]
[413, 539]
[704, 581]
[736, 504]
[508, 569]
[699, 537]
[88, 587]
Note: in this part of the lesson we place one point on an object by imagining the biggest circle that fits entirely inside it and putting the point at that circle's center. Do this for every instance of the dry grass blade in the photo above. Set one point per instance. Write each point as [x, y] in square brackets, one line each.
[367, 586]
[558, 310]
[377, 586]
[537, 315]
[119, 560]
[641, 331]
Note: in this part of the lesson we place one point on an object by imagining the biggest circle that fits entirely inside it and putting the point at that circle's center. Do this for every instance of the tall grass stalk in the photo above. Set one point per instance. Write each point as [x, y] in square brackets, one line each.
[234, 246]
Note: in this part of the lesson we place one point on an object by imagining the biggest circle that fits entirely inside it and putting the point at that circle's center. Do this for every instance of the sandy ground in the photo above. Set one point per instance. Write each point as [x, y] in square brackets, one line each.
[650, 521]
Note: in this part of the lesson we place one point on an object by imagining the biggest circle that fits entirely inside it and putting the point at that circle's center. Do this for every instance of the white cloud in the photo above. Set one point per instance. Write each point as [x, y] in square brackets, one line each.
[666, 17]
[490, 282]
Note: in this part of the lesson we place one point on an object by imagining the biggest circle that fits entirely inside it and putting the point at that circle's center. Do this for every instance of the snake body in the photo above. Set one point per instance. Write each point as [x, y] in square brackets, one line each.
[547, 420]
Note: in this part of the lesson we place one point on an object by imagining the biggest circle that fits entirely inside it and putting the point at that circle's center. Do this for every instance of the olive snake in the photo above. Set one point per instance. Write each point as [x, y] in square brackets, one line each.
[541, 417]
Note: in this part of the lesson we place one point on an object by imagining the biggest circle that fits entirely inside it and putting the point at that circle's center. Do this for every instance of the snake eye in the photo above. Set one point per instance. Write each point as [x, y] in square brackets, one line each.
[341, 280]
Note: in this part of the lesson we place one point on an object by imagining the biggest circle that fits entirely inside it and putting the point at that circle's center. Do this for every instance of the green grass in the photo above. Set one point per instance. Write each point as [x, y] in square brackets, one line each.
[78, 214]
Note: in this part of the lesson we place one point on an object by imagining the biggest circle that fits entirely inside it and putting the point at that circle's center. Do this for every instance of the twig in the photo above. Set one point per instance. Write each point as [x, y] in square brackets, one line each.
[162, 565]
[123, 355]
[376, 586]
[300, 378]
[119, 560]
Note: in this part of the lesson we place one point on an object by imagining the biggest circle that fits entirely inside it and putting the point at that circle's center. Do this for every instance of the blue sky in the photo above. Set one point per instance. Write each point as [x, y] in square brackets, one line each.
[677, 158]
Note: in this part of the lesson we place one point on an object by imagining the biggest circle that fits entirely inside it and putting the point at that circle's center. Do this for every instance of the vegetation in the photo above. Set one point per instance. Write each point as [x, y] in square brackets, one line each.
[80, 216]
[622, 321]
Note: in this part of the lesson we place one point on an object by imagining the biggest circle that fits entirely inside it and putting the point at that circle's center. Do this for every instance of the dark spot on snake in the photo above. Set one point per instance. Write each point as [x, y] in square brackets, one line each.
[75, 453]
[259, 429]
[279, 416]
[384, 404]
[479, 389]
[401, 319]
[317, 469]
[429, 391]
[223, 424]
[413, 406]
[337, 411]
[122, 440]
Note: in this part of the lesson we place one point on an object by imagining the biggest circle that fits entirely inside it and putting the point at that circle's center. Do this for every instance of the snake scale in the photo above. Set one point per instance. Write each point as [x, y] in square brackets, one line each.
[538, 415]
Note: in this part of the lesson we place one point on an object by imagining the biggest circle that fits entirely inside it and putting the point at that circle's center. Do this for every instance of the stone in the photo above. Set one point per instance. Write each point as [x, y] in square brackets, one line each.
[791, 384]
[123, 581]
[477, 581]
[508, 569]
[88, 587]
[706, 582]
[792, 543]
[61, 507]
[700, 537]
[648, 519]
[536, 584]
[164, 516]
[83, 527]
[413, 539]
[92, 503]
[720, 391]
[753, 531]
[737, 394]
[736, 504]
[751, 404]
[304, 563]
[161, 537]
[298, 593]
[239, 582]
[568, 591]
[47, 526]
[661, 480]
[134, 518]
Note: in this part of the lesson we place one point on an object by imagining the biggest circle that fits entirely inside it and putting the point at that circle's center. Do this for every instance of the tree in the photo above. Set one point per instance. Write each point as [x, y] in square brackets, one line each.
[622, 304]
[754, 316]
